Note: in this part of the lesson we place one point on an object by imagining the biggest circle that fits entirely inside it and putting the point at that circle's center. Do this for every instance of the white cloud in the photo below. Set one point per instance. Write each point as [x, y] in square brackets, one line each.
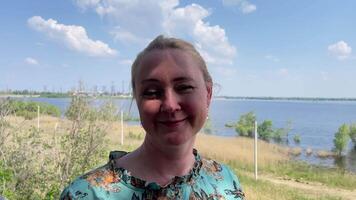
[283, 72]
[74, 37]
[141, 21]
[83, 4]
[211, 41]
[340, 49]
[31, 61]
[127, 62]
[128, 37]
[272, 58]
[245, 6]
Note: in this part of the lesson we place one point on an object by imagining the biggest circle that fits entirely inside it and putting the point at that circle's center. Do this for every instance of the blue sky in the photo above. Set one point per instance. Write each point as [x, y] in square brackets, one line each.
[253, 48]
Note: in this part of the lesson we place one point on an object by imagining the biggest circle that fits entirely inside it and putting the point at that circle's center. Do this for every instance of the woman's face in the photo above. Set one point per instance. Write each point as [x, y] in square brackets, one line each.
[172, 96]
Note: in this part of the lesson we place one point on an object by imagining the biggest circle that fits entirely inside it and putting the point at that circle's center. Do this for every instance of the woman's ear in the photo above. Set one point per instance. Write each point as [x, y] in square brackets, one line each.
[209, 89]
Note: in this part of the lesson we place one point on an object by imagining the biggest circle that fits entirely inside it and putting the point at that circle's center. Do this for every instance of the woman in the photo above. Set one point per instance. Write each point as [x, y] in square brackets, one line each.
[173, 90]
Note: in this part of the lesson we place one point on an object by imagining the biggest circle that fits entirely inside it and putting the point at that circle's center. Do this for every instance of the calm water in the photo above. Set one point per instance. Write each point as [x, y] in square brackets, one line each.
[315, 121]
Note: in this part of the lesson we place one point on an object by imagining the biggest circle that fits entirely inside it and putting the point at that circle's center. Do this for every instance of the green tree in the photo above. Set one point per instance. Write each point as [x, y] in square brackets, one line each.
[296, 138]
[341, 139]
[265, 130]
[281, 134]
[353, 134]
[245, 125]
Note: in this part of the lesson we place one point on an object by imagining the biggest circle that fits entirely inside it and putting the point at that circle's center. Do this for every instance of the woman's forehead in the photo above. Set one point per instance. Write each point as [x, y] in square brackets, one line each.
[179, 56]
[160, 62]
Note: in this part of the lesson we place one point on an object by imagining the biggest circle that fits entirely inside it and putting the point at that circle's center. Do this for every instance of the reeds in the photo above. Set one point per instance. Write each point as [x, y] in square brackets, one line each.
[239, 149]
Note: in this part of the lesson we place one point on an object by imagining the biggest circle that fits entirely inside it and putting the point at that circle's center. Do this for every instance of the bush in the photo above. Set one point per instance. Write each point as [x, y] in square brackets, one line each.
[341, 139]
[296, 138]
[265, 130]
[353, 134]
[35, 166]
[245, 125]
[29, 110]
[5, 110]
[6, 176]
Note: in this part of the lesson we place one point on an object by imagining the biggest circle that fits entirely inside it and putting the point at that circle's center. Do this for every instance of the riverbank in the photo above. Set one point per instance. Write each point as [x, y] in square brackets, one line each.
[129, 96]
[279, 176]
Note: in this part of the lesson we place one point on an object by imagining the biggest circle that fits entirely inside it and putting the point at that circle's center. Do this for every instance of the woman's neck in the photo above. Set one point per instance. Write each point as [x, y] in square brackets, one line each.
[156, 164]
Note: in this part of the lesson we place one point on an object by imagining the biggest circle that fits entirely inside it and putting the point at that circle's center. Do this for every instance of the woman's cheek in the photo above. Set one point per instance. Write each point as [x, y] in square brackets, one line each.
[150, 107]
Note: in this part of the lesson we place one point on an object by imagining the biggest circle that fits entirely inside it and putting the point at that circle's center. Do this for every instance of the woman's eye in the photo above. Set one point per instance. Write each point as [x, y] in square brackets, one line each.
[151, 93]
[185, 88]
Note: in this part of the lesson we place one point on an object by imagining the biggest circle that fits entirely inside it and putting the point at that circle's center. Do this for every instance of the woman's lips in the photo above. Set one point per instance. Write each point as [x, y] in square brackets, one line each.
[172, 123]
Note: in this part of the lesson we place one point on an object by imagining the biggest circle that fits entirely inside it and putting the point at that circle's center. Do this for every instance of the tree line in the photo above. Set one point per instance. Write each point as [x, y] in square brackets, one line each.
[266, 131]
[245, 126]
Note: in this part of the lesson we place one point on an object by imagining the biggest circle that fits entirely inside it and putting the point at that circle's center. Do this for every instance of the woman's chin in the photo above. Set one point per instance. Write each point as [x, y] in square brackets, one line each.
[179, 139]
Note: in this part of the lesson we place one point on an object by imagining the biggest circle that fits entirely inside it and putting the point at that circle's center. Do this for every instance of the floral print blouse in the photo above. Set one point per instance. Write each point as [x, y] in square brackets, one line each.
[207, 180]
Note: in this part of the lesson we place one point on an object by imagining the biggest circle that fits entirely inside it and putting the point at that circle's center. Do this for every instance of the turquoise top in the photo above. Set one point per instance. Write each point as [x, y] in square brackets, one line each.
[207, 180]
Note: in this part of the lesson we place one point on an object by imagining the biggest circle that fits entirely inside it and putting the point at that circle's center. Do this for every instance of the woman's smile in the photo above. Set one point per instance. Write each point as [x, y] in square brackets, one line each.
[172, 123]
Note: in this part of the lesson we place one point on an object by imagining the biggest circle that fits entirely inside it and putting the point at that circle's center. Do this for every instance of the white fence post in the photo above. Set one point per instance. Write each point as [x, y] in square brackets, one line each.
[38, 117]
[256, 134]
[122, 127]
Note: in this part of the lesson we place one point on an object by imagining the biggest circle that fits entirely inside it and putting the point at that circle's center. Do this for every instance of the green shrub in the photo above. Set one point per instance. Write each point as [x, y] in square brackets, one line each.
[341, 139]
[58, 160]
[245, 125]
[296, 138]
[265, 130]
[29, 110]
[353, 134]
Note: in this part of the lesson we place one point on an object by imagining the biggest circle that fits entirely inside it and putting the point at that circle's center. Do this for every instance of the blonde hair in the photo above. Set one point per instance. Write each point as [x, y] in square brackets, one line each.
[162, 43]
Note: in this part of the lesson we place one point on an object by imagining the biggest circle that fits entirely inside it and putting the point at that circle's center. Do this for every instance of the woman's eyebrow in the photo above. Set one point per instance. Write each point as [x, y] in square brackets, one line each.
[179, 79]
[149, 80]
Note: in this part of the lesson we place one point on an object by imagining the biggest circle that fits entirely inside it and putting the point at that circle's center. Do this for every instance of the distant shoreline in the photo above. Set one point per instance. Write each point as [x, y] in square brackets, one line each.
[215, 97]
[286, 98]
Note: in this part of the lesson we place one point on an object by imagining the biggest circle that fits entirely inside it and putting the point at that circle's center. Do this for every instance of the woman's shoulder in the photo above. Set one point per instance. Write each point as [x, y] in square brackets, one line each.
[221, 177]
[88, 185]
[216, 169]
[85, 186]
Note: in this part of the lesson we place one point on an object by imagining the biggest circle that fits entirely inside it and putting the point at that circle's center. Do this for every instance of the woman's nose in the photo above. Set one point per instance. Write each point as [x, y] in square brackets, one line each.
[170, 102]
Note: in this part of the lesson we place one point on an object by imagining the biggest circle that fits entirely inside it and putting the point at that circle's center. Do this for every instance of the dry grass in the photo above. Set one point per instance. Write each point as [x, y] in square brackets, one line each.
[296, 151]
[325, 154]
[239, 149]
[130, 143]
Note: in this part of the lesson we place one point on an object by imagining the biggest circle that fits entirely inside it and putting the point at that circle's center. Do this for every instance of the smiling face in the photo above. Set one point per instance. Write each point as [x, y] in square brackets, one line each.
[172, 97]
